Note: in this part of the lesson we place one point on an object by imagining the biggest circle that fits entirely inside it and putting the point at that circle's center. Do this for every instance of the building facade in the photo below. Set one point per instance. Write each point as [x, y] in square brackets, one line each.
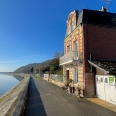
[89, 47]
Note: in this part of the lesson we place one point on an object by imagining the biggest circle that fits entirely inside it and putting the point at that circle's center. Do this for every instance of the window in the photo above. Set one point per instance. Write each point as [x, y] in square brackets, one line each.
[75, 50]
[96, 79]
[71, 27]
[68, 49]
[106, 80]
[75, 72]
[75, 46]
[101, 79]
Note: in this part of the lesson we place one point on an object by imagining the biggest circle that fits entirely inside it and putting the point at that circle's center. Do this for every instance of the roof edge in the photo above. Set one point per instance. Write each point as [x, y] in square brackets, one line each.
[106, 72]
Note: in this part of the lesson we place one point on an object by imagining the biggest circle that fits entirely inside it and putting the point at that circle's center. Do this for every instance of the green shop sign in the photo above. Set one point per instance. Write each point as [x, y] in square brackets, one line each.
[111, 80]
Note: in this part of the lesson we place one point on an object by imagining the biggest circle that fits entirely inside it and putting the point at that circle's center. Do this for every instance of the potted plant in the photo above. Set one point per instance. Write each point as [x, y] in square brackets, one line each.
[70, 88]
[79, 91]
[66, 84]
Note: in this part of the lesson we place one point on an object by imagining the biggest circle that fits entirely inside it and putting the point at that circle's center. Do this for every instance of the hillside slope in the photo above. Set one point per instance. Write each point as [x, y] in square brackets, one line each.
[27, 68]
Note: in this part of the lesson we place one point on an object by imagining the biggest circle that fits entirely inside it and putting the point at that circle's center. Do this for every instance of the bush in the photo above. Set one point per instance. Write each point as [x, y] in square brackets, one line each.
[68, 82]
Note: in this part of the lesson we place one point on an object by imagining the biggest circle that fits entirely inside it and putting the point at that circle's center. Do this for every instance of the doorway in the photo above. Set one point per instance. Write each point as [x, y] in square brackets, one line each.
[67, 74]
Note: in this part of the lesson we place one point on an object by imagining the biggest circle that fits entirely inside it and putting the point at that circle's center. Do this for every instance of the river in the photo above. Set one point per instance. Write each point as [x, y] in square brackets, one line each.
[7, 82]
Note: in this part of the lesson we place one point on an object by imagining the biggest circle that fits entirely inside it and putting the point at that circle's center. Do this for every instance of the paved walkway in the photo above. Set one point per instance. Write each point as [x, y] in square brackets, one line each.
[47, 99]
[103, 103]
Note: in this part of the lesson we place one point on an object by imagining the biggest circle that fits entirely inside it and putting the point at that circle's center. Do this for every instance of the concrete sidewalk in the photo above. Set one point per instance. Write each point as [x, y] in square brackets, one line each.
[47, 99]
[103, 103]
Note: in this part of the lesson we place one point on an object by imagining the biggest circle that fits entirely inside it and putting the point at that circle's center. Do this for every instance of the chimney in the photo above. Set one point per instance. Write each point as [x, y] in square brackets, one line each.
[103, 9]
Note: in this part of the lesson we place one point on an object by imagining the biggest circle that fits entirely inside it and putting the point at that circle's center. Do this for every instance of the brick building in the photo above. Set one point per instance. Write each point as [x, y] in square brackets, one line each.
[89, 48]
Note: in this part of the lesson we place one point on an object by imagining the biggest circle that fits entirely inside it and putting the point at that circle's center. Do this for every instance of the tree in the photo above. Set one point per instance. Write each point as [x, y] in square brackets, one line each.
[57, 55]
[54, 66]
[32, 70]
[46, 69]
[37, 70]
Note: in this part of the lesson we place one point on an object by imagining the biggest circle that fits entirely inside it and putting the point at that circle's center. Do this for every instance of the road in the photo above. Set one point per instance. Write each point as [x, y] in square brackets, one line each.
[47, 99]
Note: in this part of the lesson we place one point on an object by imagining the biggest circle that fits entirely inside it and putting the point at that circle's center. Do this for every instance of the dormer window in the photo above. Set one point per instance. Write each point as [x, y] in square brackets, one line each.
[71, 27]
[71, 22]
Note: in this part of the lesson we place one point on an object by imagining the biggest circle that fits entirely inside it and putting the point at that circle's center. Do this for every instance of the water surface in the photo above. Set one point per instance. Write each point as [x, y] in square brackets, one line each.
[7, 82]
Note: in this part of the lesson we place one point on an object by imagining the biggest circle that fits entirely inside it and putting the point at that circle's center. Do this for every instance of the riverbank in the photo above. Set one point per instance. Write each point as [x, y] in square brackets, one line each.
[19, 77]
[13, 101]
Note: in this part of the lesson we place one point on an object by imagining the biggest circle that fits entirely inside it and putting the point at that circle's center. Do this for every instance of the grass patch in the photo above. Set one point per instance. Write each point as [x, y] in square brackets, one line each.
[3, 97]
[37, 76]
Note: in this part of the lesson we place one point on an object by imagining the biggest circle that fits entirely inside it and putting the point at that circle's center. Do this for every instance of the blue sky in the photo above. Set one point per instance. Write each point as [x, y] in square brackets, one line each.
[31, 31]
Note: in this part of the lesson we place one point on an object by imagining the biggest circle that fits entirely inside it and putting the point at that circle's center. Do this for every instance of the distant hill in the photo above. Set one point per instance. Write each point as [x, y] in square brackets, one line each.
[27, 68]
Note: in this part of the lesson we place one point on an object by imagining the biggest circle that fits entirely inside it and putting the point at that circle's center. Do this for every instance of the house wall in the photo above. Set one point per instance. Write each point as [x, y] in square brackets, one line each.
[70, 72]
[76, 35]
[80, 76]
[99, 41]
[89, 90]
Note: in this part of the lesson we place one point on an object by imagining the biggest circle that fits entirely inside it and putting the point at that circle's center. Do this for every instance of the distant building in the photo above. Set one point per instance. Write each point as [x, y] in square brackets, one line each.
[89, 48]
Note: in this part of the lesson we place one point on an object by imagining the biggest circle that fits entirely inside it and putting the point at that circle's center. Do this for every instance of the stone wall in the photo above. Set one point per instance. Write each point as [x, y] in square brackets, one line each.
[13, 103]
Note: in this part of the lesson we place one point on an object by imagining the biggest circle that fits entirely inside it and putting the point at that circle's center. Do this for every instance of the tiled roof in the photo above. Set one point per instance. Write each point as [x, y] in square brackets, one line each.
[96, 17]
[109, 67]
[87, 16]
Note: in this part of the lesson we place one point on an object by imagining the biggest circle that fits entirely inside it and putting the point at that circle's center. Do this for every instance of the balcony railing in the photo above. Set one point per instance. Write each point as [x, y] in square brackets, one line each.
[69, 58]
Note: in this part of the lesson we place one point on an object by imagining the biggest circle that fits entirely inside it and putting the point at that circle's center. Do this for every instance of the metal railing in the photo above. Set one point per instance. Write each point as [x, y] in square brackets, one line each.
[55, 77]
[69, 57]
[58, 78]
[46, 75]
[10, 100]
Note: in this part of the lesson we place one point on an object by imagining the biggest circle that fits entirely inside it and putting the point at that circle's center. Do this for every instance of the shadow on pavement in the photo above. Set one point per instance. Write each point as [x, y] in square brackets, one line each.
[34, 104]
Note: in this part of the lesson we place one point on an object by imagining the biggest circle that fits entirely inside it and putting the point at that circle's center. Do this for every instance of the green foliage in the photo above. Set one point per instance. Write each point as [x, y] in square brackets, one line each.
[54, 65]
[60, 71]
[68, 82]
[46, 69]
[37, 76]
